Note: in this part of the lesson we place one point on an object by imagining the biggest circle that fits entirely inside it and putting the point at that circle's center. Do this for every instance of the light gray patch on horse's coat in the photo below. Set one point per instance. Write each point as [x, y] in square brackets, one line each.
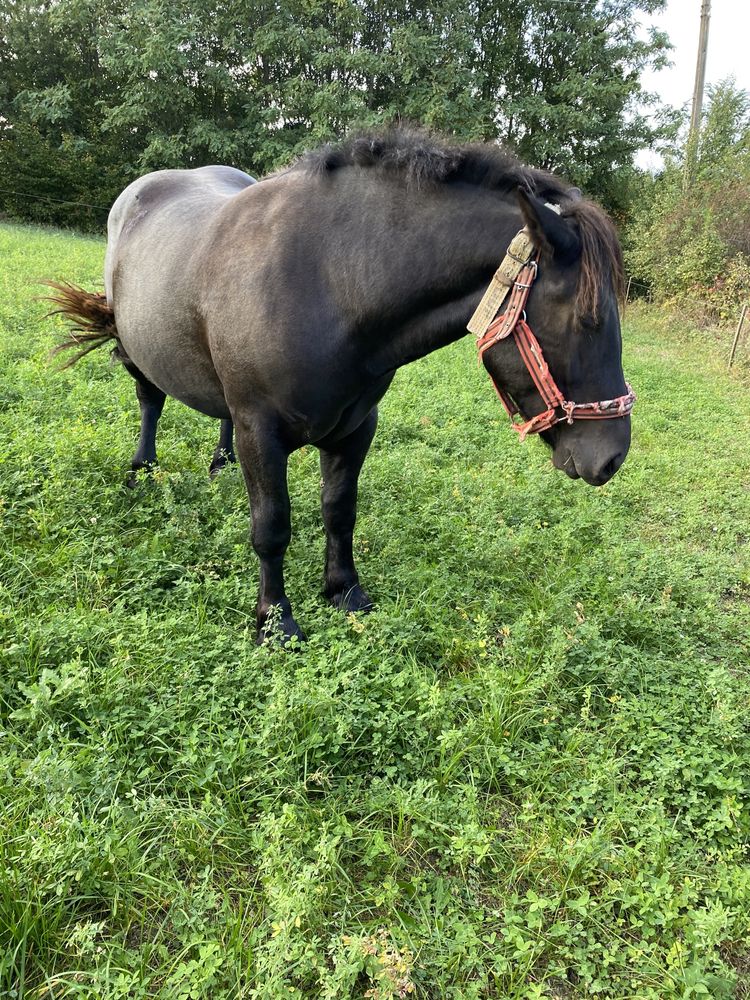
[156, 232]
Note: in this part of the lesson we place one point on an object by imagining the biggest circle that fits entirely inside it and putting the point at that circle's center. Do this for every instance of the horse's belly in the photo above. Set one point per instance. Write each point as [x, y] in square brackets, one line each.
[174, 360]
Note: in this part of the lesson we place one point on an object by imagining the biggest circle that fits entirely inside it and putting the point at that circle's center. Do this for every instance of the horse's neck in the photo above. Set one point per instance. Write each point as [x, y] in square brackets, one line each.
[436, 272]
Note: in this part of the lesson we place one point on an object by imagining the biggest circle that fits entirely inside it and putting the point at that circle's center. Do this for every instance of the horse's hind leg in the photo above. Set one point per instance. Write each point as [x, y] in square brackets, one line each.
[224, 453]
[340, 465]
[151, 401]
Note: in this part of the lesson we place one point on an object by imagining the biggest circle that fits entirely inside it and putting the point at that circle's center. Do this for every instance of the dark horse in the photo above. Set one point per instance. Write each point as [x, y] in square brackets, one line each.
[285, 307]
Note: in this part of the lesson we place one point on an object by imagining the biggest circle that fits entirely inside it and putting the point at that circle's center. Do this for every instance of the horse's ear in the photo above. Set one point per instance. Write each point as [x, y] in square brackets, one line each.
[548, 230]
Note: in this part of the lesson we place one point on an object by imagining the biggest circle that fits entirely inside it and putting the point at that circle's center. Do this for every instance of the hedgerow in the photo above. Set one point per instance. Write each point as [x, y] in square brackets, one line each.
[689, 241]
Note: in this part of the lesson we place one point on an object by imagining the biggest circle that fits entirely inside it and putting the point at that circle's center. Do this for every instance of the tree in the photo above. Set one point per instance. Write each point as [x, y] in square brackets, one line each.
[695, 243]
[52, 86]
[564, 83]
[94, 92]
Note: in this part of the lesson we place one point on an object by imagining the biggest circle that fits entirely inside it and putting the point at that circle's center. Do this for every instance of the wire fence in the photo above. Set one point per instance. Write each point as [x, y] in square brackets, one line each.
[47, 210]
[55, 201]
[631, 284]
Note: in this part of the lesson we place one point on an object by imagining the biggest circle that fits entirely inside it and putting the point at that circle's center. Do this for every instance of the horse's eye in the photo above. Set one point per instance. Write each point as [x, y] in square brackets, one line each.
[588, 324]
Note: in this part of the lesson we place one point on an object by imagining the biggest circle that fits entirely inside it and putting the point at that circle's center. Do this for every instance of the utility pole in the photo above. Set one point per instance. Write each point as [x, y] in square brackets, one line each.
[700, 79]
[700, 69]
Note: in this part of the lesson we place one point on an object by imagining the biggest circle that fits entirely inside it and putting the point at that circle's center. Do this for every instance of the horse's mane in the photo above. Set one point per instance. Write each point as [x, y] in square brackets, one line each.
[421, 159]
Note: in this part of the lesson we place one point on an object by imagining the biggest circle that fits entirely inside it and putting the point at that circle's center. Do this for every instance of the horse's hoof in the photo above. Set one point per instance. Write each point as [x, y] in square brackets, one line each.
[137, 473]
[282, 633]
[221, 462]
[353, 599]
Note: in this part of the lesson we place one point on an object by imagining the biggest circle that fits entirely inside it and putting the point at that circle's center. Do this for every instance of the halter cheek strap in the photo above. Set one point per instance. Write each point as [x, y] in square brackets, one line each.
[520, 268]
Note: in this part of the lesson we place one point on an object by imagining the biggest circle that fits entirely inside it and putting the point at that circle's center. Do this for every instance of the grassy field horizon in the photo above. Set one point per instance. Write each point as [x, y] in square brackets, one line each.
[525, 775]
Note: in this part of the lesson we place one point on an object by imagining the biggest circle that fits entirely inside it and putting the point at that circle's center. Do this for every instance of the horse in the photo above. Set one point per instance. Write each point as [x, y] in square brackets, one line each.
[284, 307]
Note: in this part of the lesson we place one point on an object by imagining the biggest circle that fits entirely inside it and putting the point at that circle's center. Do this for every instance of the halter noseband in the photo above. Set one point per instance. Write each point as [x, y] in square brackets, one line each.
[519, 267]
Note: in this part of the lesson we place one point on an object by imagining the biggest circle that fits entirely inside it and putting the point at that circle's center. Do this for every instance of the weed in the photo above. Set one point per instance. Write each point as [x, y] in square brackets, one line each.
[525, 774]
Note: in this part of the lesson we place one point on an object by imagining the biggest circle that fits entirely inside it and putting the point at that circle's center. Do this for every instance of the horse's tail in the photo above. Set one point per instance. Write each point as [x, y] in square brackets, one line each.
[92, 319]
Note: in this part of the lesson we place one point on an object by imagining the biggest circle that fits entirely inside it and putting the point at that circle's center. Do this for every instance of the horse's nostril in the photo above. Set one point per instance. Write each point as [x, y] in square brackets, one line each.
[607, 471]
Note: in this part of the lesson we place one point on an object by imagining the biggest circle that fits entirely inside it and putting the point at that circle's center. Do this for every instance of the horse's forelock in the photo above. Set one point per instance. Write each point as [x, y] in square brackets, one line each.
[601, 255]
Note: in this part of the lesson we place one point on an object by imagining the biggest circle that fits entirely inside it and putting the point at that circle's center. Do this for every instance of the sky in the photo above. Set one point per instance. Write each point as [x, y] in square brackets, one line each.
[728, 52]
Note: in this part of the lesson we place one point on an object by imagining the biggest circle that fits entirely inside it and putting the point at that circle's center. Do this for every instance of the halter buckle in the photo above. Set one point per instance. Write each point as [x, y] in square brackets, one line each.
[519, 260]
[532, 277]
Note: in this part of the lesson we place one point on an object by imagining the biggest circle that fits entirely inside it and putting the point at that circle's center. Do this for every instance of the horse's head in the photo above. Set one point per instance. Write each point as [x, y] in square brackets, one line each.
[572, 310]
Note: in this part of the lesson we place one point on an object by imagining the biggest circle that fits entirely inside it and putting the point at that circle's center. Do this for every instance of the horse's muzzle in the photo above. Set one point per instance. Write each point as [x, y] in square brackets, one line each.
[596, 472]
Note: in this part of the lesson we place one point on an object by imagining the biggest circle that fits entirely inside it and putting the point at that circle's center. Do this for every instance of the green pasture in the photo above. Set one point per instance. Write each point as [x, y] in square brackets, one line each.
[526, 774]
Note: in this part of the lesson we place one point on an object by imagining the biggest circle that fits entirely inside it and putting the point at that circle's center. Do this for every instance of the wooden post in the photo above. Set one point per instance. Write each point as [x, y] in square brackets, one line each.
[691, 149]
[700, 69]
[627, 296]
[737, 336]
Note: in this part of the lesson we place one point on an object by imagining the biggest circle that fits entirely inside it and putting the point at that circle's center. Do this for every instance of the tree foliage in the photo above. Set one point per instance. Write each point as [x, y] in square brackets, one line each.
[94, 92]
[692, 240]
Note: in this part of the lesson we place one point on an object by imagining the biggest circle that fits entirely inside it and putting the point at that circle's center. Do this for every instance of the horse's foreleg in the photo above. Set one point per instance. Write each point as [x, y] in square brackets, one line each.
[224, 452]
[151, 401]
[340, 465]
[264, 465]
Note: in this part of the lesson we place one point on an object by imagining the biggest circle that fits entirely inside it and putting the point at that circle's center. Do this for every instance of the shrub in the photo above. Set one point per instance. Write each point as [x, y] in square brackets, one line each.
[691, 243]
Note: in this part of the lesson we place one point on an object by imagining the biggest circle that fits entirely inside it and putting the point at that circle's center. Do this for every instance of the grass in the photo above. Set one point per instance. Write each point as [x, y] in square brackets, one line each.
[526, 774]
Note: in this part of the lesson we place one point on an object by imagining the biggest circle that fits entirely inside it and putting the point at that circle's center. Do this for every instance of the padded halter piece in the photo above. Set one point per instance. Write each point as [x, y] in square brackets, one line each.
[519, 268]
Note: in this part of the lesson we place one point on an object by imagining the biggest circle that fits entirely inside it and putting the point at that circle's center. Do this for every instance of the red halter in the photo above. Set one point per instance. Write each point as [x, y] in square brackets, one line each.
[513, 321]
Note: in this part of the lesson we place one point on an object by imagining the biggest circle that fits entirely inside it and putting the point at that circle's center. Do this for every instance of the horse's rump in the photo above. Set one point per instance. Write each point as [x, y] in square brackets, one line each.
[157, 232]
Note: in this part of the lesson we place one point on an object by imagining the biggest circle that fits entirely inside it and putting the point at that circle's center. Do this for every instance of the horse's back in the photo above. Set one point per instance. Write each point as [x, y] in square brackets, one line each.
[154, 240]
[171, 200]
